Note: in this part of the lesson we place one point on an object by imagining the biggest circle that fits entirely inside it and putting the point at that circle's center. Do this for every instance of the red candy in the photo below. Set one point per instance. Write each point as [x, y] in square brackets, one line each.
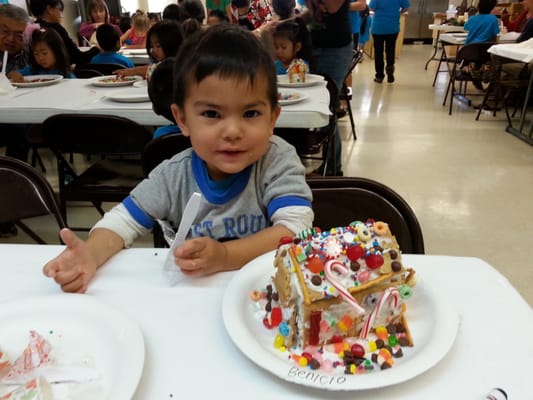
[336, 339]
[357, 350]
[315, 265]
[275, 317]
[354, 252]
[266, 323]
[374, 261]
[284, 240]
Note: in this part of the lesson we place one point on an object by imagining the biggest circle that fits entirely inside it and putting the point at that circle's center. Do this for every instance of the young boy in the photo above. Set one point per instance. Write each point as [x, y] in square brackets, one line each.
[109, 41]
[252, 183]
[483, 27]
[160, 93]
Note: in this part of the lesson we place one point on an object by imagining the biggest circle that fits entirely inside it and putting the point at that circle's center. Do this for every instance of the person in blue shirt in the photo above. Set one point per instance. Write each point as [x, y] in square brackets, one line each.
[484, 26]
[385, 29]
[48, 56]
[292, 41]
[160, 93]
[109, 41]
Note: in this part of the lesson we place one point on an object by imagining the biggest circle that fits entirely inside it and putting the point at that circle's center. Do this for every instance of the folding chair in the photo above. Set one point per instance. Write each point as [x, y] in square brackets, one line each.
[27, 194]
[346, 92]
[115, 145]
[338, 201]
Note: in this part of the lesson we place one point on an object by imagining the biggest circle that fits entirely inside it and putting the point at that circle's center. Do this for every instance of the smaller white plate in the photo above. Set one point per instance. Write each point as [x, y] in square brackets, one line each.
[139, 84]
[310, 80]
[38, 80]
[129, 95]
[114, 80]
[287, 97]
[137, 52]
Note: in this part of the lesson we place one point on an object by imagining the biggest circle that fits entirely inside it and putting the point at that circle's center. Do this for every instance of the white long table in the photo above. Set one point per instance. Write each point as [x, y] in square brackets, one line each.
[521, 52]
[493, 347]
[34, 105]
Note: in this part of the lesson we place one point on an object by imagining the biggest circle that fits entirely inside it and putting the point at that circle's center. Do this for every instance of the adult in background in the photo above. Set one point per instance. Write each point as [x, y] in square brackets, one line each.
[97, 14]
[385, 29]
[48, 14]
[13, 22]
[331, 35]
[251, 14]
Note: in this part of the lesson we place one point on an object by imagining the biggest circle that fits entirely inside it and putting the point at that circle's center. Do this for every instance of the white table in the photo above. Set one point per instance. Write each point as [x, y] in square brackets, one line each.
[34, 105]
[493, 347]
[522, 52]
[439, 29]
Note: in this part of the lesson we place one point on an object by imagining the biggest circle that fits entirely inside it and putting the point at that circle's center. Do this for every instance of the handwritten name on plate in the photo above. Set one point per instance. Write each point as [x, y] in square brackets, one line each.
[314, 376]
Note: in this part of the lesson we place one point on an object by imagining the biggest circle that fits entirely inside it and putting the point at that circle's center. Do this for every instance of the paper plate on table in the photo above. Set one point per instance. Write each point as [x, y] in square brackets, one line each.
[129, 95]
[310, 80]
[137, 52]
[139, 84]
[286, 97]
[38, 80]
[114, 80]
[85, 335]
[433, 324]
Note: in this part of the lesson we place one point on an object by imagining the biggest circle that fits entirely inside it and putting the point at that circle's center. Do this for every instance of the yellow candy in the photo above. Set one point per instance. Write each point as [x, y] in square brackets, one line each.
[302, 361]
[353, 368]
[279, 341]
[372, 346]
[283, 349]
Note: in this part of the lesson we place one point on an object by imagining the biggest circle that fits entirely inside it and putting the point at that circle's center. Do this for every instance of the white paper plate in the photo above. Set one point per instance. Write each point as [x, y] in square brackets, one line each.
[432, 322]
[137, 52]
[38, 80]
[129, 95]
[290, 97]
[113, 81]
[310, 80]
[143, 84]
[79, 325]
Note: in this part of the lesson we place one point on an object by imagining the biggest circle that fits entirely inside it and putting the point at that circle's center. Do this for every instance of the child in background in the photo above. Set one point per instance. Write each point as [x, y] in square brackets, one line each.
[216, 17]
[135, 37]
[109, 41]
[97, 14]
[483, 27]
[252, 183]
[292, 41]
[162, 40]
[160, 93]
[48, 56]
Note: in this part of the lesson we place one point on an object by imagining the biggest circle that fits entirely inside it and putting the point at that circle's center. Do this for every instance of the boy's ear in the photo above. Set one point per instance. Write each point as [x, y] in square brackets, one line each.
[179, 117]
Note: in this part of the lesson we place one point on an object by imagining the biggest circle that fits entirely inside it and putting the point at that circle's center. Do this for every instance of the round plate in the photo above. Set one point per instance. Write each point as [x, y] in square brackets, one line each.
[143, 84]
[432, 322]
[287, 97]
[114, 80]
[79, 327]
[129, 95]
[38, 80]
[310, 80]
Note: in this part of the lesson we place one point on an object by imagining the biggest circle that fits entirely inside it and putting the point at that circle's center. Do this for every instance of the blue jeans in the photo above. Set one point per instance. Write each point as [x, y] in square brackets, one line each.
[334, 62]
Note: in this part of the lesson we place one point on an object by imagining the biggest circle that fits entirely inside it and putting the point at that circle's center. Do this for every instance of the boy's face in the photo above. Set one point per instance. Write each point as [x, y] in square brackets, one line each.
[229, 122]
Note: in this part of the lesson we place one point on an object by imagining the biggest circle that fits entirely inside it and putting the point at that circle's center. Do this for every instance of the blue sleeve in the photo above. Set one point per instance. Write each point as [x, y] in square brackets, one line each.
[26, 71]
[286, 201]
[138, 214]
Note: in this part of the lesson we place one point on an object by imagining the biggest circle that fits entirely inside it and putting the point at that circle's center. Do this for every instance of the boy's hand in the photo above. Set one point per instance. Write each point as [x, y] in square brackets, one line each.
[201, 256]
[74, 267]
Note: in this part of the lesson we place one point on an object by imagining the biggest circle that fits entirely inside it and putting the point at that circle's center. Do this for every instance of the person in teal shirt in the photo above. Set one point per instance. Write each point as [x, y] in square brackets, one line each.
[484, 26]
[385, 29]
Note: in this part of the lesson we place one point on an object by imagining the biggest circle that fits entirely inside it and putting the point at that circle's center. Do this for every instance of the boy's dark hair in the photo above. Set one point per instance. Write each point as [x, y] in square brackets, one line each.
[192, 9]
[169, 35]
[241, 56]
[296, 31]
[107, 37]
[38, 7]
[486, 6]
[160, 88]
[221, 15]
[124, 23]
[283, 8]
[57, 46]
[173, 12]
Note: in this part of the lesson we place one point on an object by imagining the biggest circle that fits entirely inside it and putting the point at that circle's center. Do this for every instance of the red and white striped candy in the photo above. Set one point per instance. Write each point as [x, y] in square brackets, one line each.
[390, 294]
[328, 268]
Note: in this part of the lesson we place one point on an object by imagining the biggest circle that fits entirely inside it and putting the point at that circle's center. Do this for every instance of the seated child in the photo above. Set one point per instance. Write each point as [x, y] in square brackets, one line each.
[252, 183]
[483, 27]
[48, 56]
[291, 41]
[135, 37]
[160, 93]
[109, 41]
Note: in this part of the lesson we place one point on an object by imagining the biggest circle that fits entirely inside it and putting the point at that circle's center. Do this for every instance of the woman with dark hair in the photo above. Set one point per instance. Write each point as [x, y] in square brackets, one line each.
[48, 14]
[97, 14]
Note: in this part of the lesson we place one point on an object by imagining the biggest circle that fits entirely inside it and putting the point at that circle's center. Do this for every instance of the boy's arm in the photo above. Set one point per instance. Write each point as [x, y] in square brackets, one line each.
[75, 266]
[205, 256]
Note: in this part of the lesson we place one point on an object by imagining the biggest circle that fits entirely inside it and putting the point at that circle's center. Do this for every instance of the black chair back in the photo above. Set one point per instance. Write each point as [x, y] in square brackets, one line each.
[163, 148]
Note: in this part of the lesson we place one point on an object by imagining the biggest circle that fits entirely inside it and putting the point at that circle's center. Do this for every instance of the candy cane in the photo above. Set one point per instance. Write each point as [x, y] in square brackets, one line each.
[391, 294]
[341, 289]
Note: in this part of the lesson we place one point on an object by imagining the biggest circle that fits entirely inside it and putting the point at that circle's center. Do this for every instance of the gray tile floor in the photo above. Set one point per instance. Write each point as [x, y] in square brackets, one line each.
[469, 182]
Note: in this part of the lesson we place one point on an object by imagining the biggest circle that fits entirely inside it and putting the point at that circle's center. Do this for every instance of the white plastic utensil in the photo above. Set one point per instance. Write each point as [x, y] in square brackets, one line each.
[172, 270]
[5, 85]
